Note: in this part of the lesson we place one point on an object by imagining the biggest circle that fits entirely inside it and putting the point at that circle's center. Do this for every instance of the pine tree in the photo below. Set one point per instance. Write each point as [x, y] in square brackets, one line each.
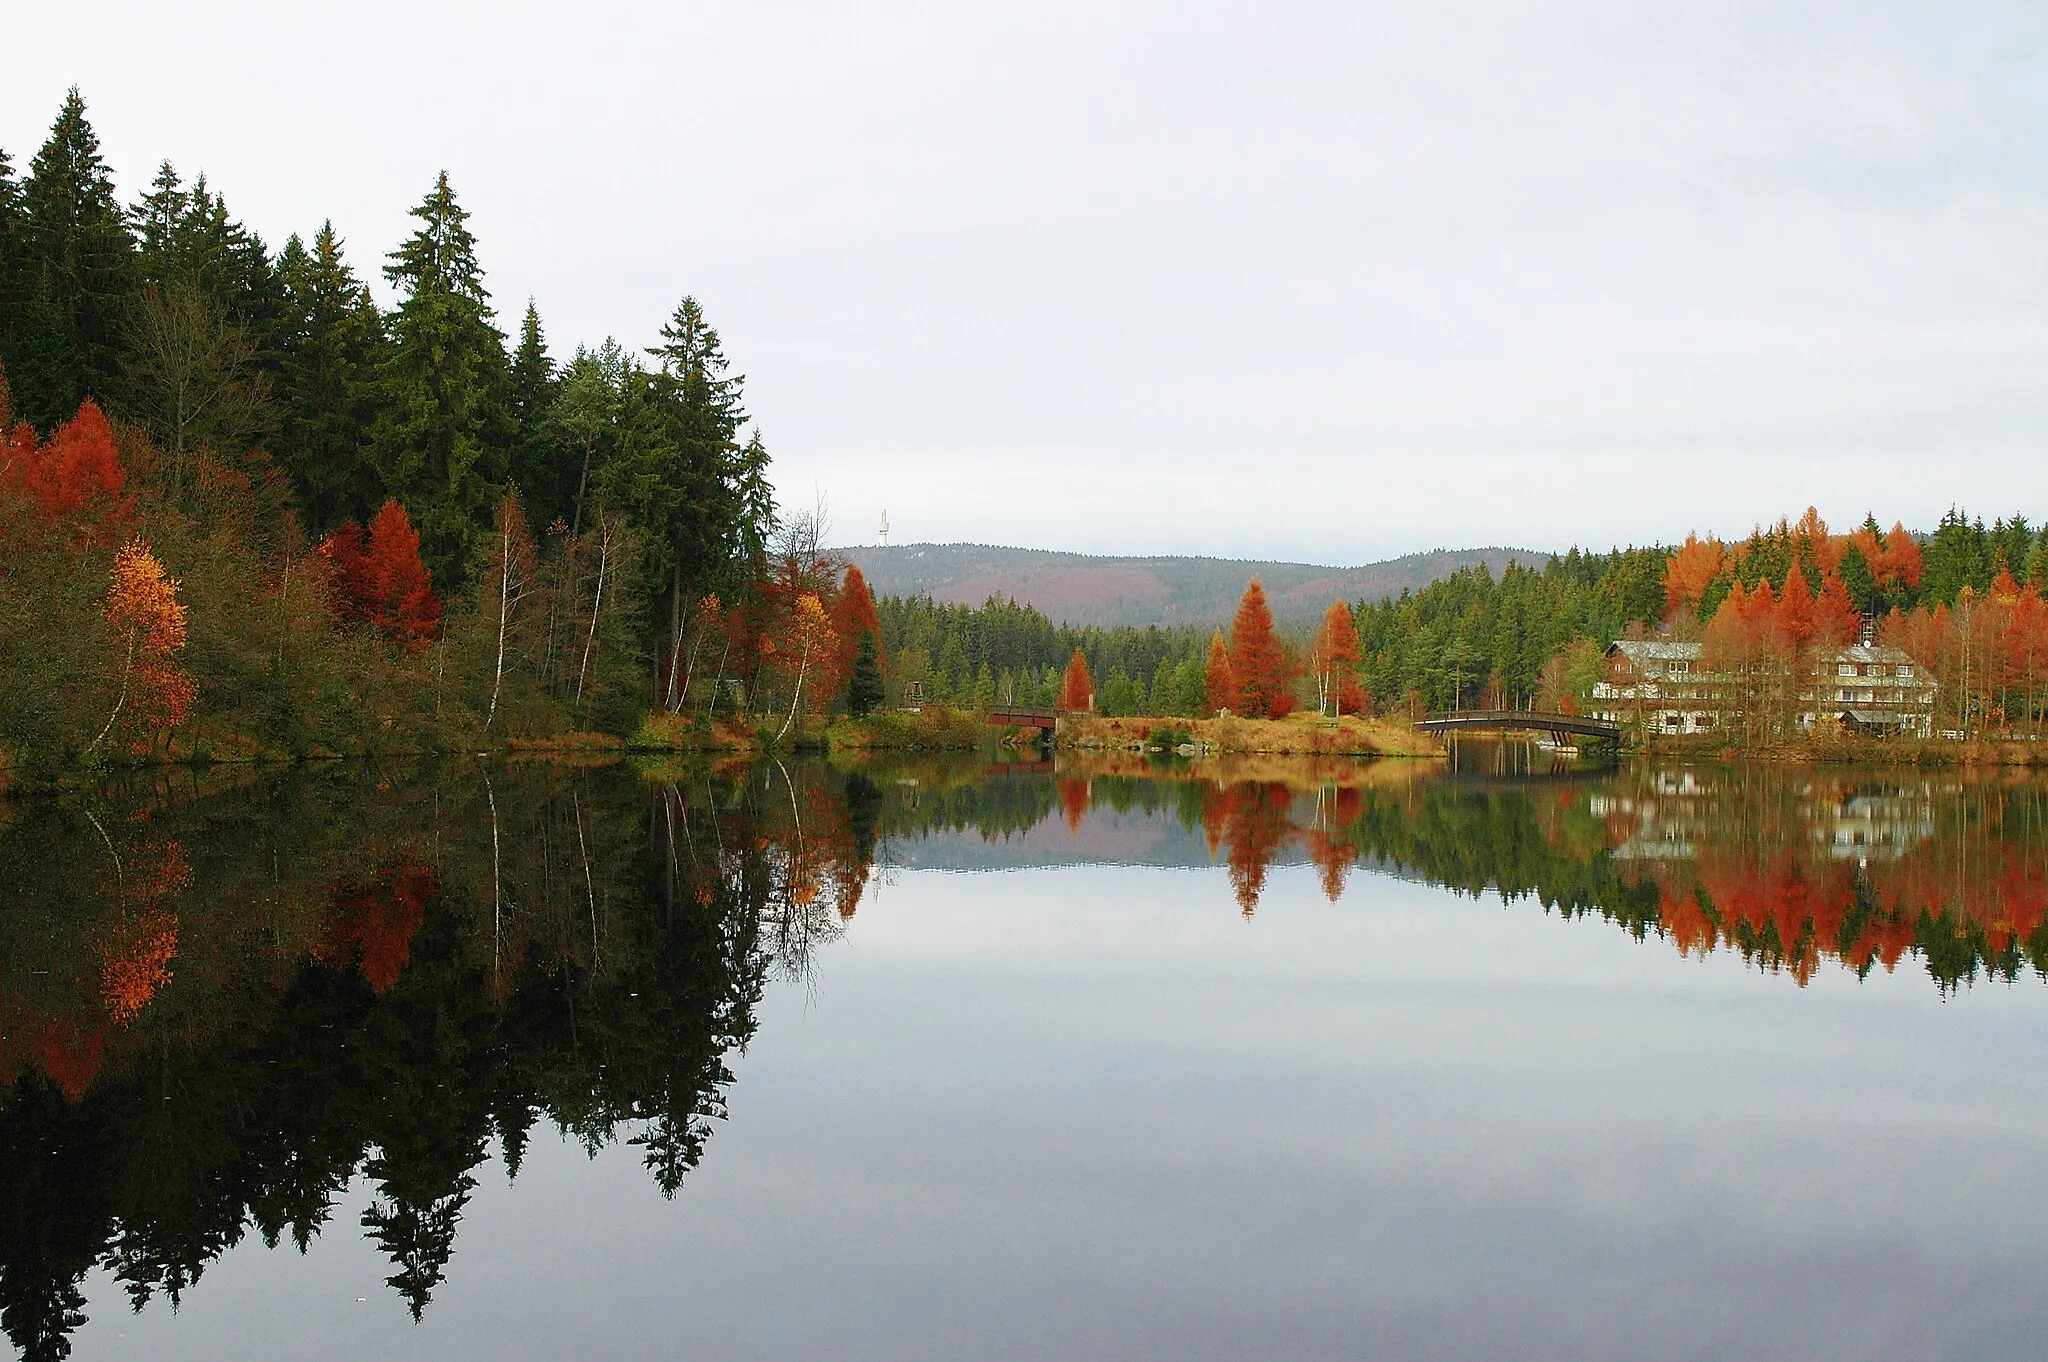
[77, 275]
[445, 432]
[333, 350]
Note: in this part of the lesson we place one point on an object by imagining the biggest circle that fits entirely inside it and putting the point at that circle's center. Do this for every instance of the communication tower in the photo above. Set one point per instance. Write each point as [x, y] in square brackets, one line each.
[883, 529]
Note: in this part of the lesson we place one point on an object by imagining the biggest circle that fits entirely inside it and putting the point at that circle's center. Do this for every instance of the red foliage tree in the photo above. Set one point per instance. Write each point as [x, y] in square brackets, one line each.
[345, 556]
[1258, 662]
[75, 472]
[408, 609]
[1795, 607]
[1219, 687]
[1077, 687]
[853, 614]
[1836, 620]
[378, 579]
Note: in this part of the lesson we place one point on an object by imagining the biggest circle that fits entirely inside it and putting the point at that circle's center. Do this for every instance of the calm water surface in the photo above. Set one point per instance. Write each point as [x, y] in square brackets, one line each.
[942, 1060]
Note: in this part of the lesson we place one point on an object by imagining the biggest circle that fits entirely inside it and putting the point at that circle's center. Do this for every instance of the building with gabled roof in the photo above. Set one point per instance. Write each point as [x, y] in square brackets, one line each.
[1659, 686]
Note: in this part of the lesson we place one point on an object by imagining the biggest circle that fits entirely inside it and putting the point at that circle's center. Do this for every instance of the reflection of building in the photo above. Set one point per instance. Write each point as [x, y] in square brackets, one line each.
[1660, 686]
[1672, 816]
[1867, 825]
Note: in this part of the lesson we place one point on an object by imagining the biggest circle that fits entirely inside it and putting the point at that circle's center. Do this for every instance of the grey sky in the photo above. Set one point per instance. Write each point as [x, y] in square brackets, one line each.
[1318, 281]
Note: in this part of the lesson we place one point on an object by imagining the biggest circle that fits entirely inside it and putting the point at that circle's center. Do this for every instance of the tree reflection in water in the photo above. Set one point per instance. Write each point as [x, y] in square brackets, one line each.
[221, 1004]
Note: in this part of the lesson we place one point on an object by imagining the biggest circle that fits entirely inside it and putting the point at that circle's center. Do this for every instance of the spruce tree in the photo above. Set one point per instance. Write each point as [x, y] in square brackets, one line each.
[864, 685]
[77, 274]
[333, 347]
[534, 465]
[13, 222]
[186, 237]
[678, 469]
[446, 431]
[595, 396]
[158, 219]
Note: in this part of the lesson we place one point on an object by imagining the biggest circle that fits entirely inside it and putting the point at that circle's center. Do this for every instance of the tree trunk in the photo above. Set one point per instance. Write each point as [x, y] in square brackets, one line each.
[604, 544]
[504, 616]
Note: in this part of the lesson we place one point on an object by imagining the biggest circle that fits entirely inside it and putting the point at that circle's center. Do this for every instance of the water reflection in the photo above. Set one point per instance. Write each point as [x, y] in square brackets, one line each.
[223, 999]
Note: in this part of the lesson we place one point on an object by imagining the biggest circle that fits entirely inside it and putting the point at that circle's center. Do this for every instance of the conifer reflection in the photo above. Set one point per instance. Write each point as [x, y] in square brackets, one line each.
[221, 1007]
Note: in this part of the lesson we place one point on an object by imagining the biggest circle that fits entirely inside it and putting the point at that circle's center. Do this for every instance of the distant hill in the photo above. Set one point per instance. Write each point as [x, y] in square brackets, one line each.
[1080, 589]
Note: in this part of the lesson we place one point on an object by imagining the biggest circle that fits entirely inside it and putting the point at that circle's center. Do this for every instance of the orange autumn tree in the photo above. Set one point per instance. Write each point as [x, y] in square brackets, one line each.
[1691, 569]
[1336, 649]
[149, 622]
[809, 639]
[1795, 608]
[1077, 687]
[1258, 662]
[1219, 687]
[1836, 620]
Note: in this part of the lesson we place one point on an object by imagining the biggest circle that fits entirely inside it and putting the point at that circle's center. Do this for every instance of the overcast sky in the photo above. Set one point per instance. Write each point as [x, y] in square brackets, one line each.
[1319, 281]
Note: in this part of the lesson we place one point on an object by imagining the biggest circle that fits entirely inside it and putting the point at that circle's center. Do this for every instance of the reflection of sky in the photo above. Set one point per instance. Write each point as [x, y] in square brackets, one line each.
[1092, 1112]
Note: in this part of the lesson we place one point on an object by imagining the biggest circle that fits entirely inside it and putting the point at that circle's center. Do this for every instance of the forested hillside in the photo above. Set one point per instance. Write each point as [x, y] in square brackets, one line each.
[1086, 589]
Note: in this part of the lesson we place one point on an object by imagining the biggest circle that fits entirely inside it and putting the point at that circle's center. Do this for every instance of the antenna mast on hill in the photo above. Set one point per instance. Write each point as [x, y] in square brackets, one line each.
[883, 530]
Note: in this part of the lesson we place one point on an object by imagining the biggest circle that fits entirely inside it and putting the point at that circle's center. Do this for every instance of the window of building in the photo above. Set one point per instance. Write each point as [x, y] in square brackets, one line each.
[1905, 670]
[1845, 669]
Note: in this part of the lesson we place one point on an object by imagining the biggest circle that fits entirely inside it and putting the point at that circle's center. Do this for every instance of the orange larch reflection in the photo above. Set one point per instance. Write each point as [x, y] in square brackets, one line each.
[374, 921]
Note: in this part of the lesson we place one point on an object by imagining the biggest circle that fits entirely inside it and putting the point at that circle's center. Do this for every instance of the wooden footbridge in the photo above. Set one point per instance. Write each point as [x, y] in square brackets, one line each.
[1519, 720]
[1024, 716]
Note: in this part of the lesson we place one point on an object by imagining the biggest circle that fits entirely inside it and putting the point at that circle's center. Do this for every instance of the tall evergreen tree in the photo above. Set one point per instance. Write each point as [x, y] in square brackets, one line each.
[534, 385]
[333, 345]
[13, 223]
[186, 237]
[158, 219]
[77, 274]
[595, 395]
[447, 430]
[678, 469]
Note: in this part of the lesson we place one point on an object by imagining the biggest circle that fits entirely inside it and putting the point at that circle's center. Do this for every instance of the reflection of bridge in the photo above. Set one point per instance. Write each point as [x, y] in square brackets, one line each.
[1526, 720]
[1024, 716]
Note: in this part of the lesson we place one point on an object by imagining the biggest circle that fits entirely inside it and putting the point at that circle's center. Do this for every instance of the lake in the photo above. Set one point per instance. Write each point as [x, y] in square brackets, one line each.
[1115, 1057]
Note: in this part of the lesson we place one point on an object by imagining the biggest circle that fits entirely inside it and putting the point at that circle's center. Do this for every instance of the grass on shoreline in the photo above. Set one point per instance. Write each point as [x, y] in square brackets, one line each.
[1301, 734]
